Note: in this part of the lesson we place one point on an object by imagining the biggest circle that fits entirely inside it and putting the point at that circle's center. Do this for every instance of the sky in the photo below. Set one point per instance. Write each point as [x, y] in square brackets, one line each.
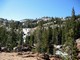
[22, 9]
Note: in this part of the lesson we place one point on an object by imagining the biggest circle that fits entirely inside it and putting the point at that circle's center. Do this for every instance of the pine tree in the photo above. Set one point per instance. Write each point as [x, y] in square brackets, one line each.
[38, 36]
[73, 14]
[73, 18]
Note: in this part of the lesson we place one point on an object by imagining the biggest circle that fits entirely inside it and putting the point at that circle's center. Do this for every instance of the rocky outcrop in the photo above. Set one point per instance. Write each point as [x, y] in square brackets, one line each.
[78, 47]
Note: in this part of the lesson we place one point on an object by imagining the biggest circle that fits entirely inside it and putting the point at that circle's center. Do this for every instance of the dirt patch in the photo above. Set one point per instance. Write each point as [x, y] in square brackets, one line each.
[14, 56]
[22, 56]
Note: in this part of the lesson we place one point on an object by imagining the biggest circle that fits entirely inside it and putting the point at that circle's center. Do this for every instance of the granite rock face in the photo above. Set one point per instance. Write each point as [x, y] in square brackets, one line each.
[78, 47]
